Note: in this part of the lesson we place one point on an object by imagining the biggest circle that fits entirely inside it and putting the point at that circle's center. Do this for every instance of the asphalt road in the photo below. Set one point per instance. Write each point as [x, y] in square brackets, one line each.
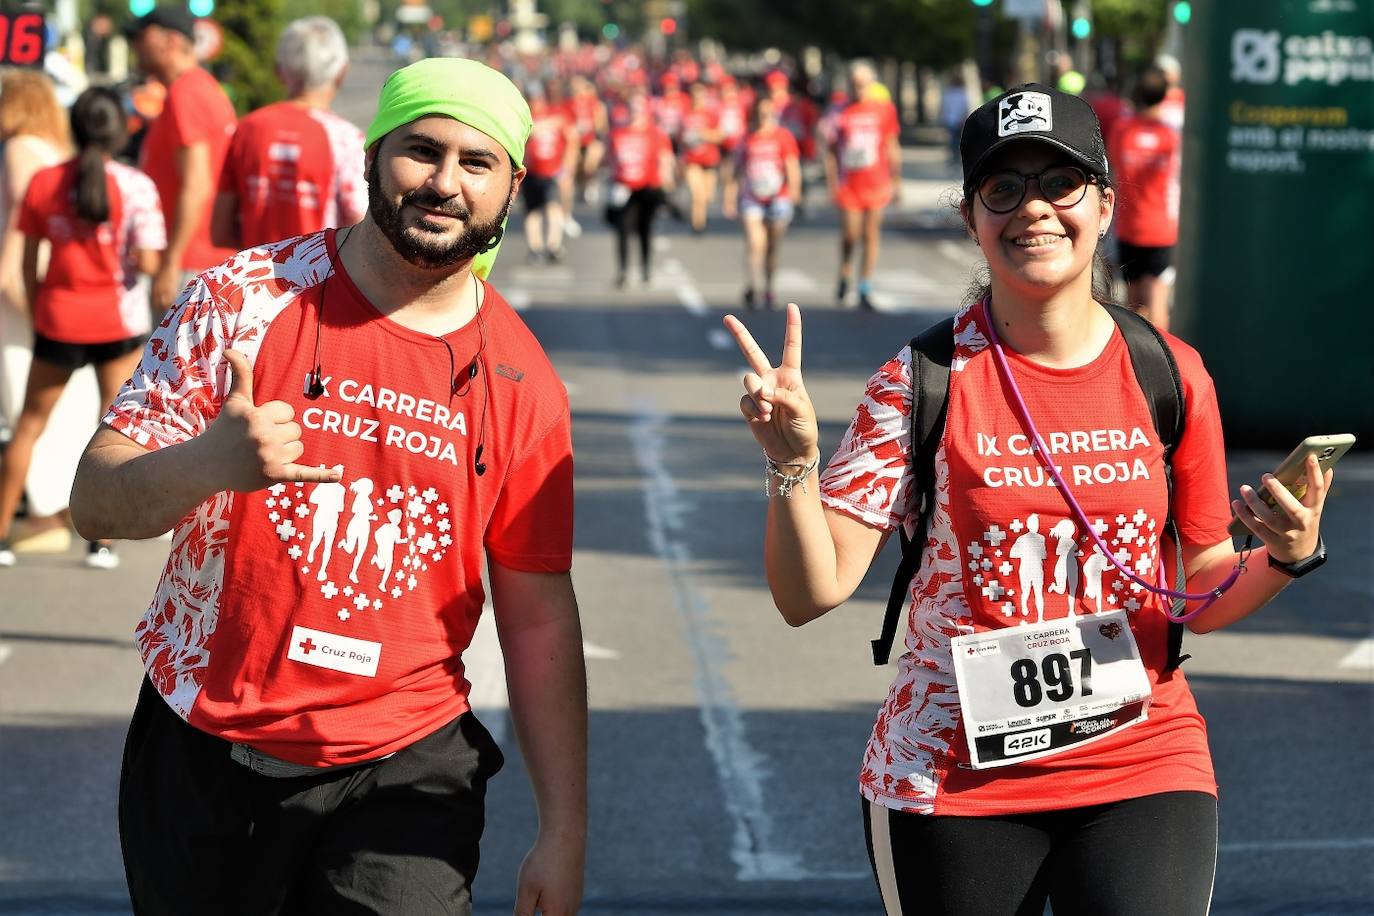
[724, 745]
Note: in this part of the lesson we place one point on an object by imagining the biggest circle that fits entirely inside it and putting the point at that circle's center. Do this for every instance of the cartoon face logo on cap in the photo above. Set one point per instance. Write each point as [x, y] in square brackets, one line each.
[1023, 111]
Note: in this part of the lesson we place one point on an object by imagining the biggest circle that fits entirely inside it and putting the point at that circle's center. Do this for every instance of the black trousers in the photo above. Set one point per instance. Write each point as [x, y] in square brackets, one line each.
[206, 835]
[1149, 856]
[637, 216]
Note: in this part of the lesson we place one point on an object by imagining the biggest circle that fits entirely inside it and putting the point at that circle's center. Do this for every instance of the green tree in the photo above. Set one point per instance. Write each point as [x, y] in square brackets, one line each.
[246, 65]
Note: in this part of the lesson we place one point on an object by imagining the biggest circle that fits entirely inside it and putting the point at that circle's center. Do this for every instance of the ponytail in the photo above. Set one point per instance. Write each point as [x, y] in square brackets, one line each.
[99, 131]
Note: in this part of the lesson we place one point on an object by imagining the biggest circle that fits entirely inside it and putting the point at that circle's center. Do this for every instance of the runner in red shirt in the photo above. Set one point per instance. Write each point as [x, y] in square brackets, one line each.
[641, 164]
[863, 169]
[590, 115]
[184, 148]
[344, 429]
[294, 167]
[766, 181]
[700, 148]
[103, 227]
[1144, 152]
[1101, 805]
[549, 155]
[671, 106]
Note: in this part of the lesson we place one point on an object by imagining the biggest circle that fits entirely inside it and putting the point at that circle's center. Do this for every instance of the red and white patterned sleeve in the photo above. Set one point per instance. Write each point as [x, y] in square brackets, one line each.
[350, 179]
[147, 231]
[179, 385]
[869, 476]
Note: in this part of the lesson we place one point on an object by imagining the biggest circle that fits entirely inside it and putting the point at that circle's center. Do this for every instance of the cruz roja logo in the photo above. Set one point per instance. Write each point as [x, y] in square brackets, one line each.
[1255, 56]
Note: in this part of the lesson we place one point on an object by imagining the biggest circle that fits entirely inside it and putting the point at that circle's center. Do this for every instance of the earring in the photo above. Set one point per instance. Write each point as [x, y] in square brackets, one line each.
[495, 239]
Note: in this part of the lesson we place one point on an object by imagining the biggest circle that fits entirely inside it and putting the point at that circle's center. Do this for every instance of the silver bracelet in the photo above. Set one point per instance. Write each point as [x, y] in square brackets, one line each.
[786, 481]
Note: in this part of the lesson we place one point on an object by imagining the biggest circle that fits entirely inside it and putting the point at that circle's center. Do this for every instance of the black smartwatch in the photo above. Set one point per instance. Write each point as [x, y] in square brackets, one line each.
[1302, 567]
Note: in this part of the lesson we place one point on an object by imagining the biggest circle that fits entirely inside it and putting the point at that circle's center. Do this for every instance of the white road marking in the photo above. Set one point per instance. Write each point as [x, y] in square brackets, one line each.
[794, 280]
[679, 280]
[758, 853]
[486, 669]
[518, 298]
[5, 652]
[1362, 656]
[1359, 842]
[592, 651]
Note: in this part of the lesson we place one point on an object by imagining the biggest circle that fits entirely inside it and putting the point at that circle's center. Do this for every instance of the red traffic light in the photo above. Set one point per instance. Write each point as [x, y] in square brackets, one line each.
[667, 25]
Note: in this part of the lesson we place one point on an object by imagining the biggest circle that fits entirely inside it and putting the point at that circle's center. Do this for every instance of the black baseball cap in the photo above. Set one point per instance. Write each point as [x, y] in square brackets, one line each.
[168, 17]
[1033, 112]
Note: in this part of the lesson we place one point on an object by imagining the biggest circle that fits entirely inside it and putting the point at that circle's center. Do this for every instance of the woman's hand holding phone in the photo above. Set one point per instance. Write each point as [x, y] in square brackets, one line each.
[1290, 527]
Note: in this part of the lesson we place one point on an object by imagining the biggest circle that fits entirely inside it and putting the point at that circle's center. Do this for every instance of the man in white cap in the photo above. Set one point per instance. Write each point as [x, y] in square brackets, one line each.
[303, 740]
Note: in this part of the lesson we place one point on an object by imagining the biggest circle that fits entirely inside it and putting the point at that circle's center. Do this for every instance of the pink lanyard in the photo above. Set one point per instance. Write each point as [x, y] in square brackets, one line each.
[1042, 454]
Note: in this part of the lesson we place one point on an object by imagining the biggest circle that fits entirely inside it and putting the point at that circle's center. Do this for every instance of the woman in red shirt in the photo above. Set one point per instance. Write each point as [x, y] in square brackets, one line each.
[766, 181]
[700, 154]
[103, 223]
[1039, 740]
[641, 163]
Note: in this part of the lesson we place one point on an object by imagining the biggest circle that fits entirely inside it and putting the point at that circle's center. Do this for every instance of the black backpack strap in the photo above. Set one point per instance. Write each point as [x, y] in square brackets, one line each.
[932, 352]
[1156, 371]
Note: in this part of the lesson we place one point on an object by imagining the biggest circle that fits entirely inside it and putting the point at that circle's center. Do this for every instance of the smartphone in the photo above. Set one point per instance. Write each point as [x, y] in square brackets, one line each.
[1292, 471]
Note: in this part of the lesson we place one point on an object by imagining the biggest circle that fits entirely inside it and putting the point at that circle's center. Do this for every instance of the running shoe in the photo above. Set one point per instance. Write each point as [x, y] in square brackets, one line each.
[572, 228]
[865, 302]
[6, 554]
[841, 291]
[769, 302]
[101, 555]
[554, 255]
[750, 303]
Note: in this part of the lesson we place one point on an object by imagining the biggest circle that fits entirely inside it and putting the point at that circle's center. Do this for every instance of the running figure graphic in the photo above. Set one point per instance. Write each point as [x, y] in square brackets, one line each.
[385, 539]
[328, 500]
[355, 536]
[1066, 554]
[1029, 549]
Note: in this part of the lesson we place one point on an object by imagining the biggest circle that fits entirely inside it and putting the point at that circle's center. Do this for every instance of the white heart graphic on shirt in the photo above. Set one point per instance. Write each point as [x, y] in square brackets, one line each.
[387, 546]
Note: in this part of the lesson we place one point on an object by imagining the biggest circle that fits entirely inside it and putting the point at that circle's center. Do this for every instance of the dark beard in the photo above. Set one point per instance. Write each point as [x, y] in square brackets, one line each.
[426, 253]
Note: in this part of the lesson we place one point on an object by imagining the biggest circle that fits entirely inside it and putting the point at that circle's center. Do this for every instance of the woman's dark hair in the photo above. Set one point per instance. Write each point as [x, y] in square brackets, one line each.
[99, 130]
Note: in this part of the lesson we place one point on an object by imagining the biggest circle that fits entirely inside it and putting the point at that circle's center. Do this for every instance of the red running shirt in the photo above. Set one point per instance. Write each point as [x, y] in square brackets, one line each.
[761, 163]
[696, 149]
[196, 111]
[997, 526]
[1144, 154]
[636, 153]
[325, 623]
[863, 134]
[295, 170]
[548, 143]
[92, 292]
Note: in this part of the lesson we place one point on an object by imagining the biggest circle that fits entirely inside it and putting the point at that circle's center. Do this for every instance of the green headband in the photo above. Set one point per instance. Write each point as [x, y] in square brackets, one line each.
[466, 91]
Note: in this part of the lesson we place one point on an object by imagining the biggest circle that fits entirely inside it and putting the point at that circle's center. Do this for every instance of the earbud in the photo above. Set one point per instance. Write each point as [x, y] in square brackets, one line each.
[314, 385]
[472, 368]
[477, 464]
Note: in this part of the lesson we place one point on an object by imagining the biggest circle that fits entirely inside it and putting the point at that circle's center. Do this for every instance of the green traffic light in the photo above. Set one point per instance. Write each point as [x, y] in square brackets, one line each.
[1082, 28]
[1183, 12]
[611, 31]
[201, 8]
[982, 2]
[141, 7]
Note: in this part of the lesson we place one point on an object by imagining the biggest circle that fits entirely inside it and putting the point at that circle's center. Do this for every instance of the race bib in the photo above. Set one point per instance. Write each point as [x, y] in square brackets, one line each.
[765, 180]
[1033, 691]
[860, 151]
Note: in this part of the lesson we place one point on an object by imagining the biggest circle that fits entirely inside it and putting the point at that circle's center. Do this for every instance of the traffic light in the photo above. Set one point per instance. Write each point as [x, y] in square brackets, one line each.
[141, 7]
[1082, 27]
[201, 8]
[1183, 12]
[611, 31]
[982, 2]
[667, 25]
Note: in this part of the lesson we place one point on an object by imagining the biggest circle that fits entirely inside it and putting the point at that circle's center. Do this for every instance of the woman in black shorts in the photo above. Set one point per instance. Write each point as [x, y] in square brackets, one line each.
[104, 226]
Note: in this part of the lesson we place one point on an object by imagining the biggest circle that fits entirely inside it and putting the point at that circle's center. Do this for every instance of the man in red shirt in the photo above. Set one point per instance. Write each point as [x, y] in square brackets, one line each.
[549, 156]
[304, 739]
[863, 169]
[1143, 150]
[184, 148]
[294, 167]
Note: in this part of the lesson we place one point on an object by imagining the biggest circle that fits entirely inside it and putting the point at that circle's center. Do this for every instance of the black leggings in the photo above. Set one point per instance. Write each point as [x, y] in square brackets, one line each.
[636, 216]
[1150, 856]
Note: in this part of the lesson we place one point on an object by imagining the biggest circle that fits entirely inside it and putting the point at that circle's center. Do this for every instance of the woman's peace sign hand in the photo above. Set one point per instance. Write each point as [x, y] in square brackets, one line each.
[776, 404]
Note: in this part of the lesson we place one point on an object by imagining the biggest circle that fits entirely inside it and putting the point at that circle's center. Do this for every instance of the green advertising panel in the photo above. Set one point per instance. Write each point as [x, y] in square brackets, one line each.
[1276, 244]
